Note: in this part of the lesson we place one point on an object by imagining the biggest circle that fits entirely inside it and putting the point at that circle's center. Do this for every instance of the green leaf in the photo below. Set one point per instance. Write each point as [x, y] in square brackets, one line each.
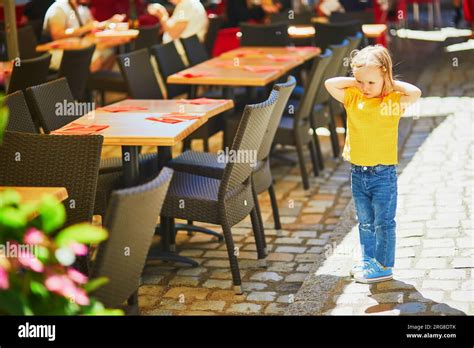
[81, 233]
[95, 284]
[12, 218]
[52, 212]
[13, 304]
[9, 197]
[39, 289]
[42, 253]
[3, 117]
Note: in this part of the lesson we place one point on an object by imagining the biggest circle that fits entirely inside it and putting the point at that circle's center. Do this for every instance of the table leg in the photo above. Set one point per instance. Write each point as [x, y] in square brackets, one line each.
[193, 91]
[130, 165]
[228, 93]
[166, 228]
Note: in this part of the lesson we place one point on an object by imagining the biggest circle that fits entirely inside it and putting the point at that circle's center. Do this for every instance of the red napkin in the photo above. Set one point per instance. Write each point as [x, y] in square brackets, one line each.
[280, 58]
[54, 45]
[173, 117]
[201, 101]
[80, 129]
[192, 75]
[123, 108]
[261, 68]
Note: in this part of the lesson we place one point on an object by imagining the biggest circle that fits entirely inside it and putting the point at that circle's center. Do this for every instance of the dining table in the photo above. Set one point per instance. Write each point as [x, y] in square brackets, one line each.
[30, 194]
[245, 67]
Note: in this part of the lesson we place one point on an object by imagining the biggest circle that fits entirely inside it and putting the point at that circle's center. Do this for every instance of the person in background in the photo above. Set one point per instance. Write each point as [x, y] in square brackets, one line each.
[36, 9]
[189, 18]
[326, 7]
[67, 18]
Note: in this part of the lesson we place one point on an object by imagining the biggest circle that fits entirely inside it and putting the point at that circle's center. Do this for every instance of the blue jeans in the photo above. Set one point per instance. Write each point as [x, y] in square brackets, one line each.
[374, 190]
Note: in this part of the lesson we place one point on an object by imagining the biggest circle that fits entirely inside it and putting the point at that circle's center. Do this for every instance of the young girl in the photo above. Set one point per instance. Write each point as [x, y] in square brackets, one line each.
[374, 103]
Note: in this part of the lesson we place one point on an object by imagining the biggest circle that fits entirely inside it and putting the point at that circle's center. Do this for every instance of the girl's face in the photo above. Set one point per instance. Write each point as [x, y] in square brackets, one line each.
[370, 81]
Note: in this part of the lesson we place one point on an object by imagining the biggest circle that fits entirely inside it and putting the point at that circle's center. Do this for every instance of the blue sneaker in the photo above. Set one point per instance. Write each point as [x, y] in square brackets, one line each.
[375, 273]
[360, 266]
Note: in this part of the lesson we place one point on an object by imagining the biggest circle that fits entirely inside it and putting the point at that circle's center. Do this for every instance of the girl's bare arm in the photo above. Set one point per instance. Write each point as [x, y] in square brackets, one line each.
[410, 92]
[336, 86]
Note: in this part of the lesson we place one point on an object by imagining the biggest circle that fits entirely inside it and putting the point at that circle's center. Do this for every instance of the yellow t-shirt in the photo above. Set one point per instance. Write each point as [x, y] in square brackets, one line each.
[372, 128]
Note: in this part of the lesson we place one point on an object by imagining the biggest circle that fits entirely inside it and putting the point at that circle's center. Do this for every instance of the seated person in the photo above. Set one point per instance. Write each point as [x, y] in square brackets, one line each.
[67, 18]
[189, 18]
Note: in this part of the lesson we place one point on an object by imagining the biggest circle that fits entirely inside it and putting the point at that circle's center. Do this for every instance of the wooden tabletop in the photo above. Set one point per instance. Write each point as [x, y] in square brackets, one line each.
[34, 194]
[103, 39]
[133, 129]
[307, 31]
[230, 69]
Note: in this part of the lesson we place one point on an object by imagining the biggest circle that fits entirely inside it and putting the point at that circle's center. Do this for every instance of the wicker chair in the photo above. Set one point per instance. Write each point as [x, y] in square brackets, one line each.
[169, 62]
[323, 114]
[43, 100]
[195, 50]
[75, 67]
[147, 37]
[131, 220]
[27, 42]
[297, 130]
[19, 119]
[336, 107]
[139, 75]
[228, 201]
[264, 35]
[208, 164]
[53, 160]
[334, 33]
[30, 72]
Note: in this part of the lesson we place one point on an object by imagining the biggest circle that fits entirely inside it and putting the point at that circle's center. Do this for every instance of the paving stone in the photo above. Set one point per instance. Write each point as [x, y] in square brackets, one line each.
[463, 263]
[438, 252]
[464, 296]
[296, 277]
[249, 286]
[208, 305]
[440, 284]
[244, 308]
[262, 296]
[444, 309]
[195, 271]
[427, 296]
[187, 292]
[214, 283]
[275, 308]
[284, 267]
[411, 308]
[447, 274]
[290, 249]
[266, 276]
[287, 240]
[431, 263]
[185, 281]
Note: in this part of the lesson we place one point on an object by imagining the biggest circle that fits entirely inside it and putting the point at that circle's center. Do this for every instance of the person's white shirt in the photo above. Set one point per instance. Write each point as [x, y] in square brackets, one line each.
[193, 12]
[62, 13]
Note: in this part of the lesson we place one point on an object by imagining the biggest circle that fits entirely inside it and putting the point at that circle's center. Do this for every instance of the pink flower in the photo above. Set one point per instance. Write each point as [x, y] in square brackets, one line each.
[4, 283]
[78, 249]
[76, 276]
[31, 262]
[63, 286]
[33, 236]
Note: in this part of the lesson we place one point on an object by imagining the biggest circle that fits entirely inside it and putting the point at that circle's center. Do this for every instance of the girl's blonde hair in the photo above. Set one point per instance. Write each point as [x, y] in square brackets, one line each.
[375, 56]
